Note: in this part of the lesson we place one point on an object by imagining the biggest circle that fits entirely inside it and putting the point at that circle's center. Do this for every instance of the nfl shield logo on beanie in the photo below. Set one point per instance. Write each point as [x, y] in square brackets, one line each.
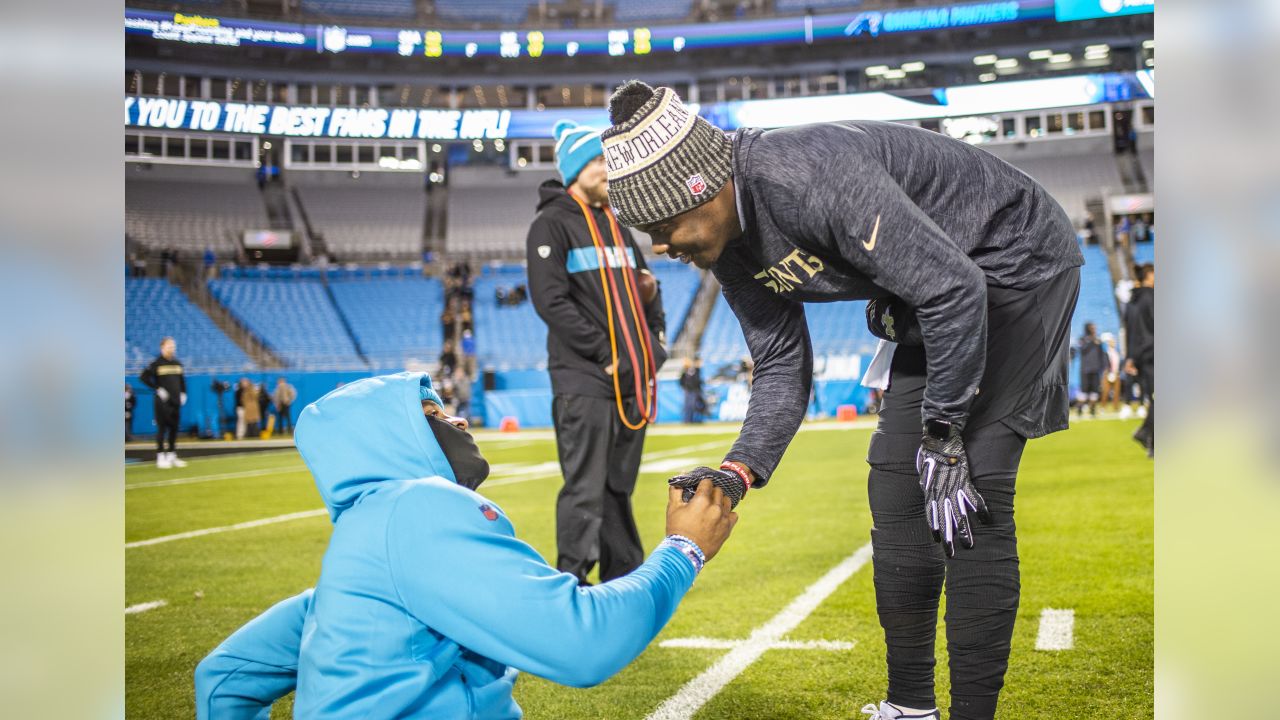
[696, 184]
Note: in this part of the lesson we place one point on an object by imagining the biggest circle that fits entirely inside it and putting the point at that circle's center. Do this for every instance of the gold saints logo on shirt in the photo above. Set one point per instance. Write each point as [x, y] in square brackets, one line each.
[790, 272]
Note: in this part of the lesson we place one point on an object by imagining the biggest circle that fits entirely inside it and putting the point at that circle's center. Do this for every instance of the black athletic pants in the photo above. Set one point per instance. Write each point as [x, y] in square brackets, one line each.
[1147, 379]
[167, 414]
[600, 459]
[1024, 387]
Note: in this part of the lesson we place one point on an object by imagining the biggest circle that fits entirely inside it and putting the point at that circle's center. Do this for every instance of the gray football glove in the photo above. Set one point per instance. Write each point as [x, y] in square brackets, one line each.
[949, 495]
[729, 483]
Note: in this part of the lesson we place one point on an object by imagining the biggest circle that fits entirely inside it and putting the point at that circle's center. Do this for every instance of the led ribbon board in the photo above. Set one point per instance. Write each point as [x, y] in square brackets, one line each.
[198, 29]
[420, 124]
[1066, 10]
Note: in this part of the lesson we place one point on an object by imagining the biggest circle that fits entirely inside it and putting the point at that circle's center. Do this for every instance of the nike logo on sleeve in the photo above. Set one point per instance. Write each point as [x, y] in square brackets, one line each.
[871, 244]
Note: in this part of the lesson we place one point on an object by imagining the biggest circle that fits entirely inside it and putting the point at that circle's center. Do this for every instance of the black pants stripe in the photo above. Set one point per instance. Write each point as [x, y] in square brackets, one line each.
[1023, 394]
[600, 459]
[167, 421]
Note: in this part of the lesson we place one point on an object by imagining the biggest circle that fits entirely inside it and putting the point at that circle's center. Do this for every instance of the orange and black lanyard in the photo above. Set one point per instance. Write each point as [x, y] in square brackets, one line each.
[649, 384]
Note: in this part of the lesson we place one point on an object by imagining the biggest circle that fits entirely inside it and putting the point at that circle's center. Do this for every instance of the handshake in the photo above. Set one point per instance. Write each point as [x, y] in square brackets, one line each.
[700, 506]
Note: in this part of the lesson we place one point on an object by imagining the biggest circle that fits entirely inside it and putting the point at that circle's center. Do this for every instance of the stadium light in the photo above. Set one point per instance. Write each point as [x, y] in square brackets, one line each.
[895, 74]
[1151, 62]
[499, 145]
[877, 70]
[1060, 58]
[1040, 54]
[1007, 64]
[986, 77]
[916, 66]
[521, 162]
[985, 60]
[1104, 49]
[1148, 44]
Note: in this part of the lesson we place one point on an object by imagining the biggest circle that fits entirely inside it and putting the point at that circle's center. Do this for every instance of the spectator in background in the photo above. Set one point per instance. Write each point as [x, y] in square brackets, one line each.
[448, 359]
[691, 383]
[210, 263]
[1111, 379]
[604, 347]
[1093, 363]
[1140, 234]
[469, 353]
[239, 403]
[165, 376]
[130, 402]
[249, 404]
[449, 320]
[1140, 355]
[264, 402]
[283, 397]
[462, 393]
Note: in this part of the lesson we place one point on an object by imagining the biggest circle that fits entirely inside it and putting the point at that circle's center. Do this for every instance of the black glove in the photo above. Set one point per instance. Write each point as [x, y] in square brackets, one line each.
[728, 482]
[890, 319]
[949, 495]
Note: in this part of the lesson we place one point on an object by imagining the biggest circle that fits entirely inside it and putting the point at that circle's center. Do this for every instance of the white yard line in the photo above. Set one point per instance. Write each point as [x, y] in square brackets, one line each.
[1057, 630]
[143, 607]
[228, 528]
[701, 689]
[704, 643]
[211, 478]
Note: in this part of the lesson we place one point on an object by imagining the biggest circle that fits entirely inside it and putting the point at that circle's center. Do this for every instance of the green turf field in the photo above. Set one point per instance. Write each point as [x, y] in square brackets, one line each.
[1084, 513]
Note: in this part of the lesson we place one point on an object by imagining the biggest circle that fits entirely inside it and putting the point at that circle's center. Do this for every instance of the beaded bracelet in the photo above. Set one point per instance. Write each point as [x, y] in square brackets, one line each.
[689, 549]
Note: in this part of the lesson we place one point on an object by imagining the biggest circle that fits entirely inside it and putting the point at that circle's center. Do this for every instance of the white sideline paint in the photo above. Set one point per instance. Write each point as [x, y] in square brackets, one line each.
[704, 643]
[228, 528]
[701, 689]
[1056, 629]
[669, 465]
[211, 478]
[143, 607]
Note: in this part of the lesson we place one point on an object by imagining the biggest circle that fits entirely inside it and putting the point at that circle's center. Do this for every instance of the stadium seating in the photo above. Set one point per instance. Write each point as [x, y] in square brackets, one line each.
[154, 308]
[679, 286]
[837, 328]
[652, 10]
[507, 338]
[1073, 180]
[191, 214]
[1097, 302]
[294, 318]
[377, 216]
[394, 320]
[504, 12]
[490, 209]
[1147, 156]
[362, 8]
[798, 6]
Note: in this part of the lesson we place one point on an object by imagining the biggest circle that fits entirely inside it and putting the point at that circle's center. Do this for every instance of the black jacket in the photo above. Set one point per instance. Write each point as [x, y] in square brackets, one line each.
[566, 289]
[860, 210]
[1140, 326]
[1093, 357]
[165, 374]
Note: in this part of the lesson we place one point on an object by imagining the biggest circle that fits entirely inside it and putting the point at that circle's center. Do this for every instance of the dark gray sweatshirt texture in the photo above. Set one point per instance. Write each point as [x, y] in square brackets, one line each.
[859, 210]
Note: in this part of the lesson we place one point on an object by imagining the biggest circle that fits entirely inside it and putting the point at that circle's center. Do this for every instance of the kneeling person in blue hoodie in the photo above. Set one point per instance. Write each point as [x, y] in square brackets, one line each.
[427, 604]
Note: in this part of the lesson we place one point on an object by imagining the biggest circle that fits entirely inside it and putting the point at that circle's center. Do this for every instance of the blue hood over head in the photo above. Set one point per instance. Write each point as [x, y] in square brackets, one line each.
[368, 432]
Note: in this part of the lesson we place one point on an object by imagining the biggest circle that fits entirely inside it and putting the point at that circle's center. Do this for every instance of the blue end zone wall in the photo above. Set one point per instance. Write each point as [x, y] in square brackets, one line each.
[522, 394]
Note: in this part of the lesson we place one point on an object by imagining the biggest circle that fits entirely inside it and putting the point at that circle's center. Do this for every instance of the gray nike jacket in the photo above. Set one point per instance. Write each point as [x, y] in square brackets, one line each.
[860, 210]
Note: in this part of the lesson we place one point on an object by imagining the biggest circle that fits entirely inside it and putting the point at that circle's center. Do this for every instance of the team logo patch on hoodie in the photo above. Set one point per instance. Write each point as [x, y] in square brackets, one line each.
[489, 513]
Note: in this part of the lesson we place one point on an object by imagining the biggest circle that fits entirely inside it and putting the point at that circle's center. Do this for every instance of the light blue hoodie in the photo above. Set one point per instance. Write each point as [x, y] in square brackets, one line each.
[427, 603]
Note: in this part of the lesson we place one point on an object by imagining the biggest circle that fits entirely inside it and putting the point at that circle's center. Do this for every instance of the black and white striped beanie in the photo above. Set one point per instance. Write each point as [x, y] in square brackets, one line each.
[661, 159]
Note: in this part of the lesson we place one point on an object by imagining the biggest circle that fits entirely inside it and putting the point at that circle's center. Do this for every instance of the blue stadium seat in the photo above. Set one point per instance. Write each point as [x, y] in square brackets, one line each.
[679, 286]
[507, 338]
[652, 10]
[838, 328]
[497, 11]
[154, 309]
[294, 318]
[394, 319]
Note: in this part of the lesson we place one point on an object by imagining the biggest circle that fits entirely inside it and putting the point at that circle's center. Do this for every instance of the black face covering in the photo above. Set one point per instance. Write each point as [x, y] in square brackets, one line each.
[469, 466]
